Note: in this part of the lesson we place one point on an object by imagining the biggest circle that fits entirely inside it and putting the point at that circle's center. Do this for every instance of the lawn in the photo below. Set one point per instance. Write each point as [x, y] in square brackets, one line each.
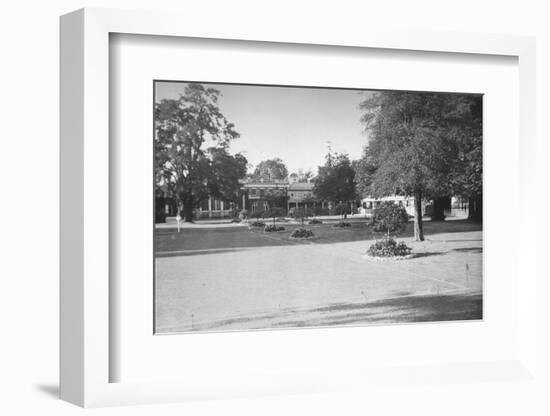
[169, 241]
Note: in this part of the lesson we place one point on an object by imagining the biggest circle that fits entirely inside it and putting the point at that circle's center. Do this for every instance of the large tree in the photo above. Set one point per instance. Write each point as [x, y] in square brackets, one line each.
[270, 170]
[192, 159]
[416, 145]
[336, 179]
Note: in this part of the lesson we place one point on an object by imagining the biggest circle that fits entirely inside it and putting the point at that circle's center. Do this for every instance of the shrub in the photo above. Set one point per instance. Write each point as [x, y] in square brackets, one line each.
[315, 221]
[301, 213]
[342, 224]
[243, 214]
[257, 223]
[258, 214]
[389, 218]
[388, 247]
[236, 220]
[342, 209]
[302, 233]
[274, 213]
[271, 228]
[321, 211]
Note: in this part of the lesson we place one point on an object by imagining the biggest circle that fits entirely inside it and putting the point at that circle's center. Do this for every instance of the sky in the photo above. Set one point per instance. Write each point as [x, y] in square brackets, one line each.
[294, 124]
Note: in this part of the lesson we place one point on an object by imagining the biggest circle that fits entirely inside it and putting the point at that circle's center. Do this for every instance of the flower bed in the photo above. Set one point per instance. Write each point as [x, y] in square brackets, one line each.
[389, 249]
[315, 221]
[342, 224]
[257, 224]
[302, 233]
[272, 228]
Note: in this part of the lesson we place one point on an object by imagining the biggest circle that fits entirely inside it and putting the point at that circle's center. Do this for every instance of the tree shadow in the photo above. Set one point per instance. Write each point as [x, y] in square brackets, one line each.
[406, 309]
[427, 254]
[196, 252]
[469, 250]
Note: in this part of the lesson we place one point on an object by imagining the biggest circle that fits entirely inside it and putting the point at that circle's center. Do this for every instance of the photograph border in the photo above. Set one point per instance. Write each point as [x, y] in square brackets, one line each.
[84, 182]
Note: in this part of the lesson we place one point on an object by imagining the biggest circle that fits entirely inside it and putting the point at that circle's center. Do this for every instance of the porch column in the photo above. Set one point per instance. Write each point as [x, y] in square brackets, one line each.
[209, 207]
[244, 200]
[221, 208]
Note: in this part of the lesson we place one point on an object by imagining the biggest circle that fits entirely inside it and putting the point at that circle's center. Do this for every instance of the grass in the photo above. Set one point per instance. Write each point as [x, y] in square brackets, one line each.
[169, 240]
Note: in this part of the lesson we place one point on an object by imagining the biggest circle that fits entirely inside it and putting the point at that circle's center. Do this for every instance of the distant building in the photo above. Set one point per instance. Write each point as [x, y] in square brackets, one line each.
[458, 207]
[369, 204]
[286, 194]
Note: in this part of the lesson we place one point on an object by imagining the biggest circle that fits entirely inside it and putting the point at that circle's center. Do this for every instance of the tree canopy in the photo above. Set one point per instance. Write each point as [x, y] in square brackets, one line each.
[421, 144]
[270, 170]
[192, 159]
[336, 179]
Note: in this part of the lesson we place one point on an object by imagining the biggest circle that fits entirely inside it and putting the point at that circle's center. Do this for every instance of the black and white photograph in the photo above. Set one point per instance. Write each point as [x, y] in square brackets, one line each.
[280, 207]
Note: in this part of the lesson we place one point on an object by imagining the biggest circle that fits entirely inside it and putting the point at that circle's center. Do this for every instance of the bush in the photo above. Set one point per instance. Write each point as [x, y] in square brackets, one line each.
[274, 213]
[315, 221]
[243, 214]
[272, 228]
[321, 211]
[302, 233]
[258, 214]
[389, 248]
[342, 224]
[389, 218]
[236, 220]
[257, 224]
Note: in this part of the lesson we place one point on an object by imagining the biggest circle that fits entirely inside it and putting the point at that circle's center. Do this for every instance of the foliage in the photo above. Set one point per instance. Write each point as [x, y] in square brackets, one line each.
[302, 214]
[192, 139]
[274, 213]
[321, 211]
[257, 223]
[336, 179]
[273, 228]
[343, 209]
[243, 214]
[315, 221]
[236, 220]
[276, 198]
[342, 224]
[389, 217]
[421, 144]
[258, 214]
[388, 247]
[270, 170]
[304, 177]
[302, 233]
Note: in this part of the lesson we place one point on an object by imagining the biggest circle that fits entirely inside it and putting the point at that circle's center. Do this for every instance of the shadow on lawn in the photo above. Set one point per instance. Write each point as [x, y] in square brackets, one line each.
[469, 250]
[401, 309]
[428, 308]
[428, 254]
[196, 252]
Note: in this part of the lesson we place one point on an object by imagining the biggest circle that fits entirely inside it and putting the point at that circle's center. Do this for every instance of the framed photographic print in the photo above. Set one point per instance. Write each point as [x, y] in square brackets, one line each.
[300, 220]
[262, 213]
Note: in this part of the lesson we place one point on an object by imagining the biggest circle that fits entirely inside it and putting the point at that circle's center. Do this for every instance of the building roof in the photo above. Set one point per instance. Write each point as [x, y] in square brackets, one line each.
[301, 186]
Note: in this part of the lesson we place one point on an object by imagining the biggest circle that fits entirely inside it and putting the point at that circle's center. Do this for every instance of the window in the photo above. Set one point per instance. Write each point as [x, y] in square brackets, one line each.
[261, 193]
[253, 191]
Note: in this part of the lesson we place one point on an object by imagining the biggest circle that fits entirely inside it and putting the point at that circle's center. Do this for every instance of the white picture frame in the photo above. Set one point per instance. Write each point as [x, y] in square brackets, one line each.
[85, 265]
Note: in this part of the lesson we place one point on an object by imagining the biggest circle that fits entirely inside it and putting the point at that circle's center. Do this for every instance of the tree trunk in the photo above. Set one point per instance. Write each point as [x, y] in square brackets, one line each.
[418, 230]
[188, 209]
[439, 206]
[475, 208]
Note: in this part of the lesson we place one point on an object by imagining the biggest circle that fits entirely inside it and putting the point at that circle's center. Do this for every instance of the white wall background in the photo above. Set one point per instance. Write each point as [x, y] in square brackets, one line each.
[29, 199]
